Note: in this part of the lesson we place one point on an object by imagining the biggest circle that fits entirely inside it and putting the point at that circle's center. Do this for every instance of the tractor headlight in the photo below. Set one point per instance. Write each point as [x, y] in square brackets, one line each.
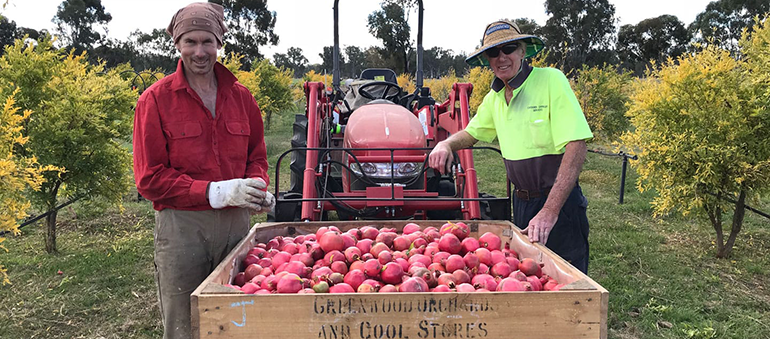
[382, 170]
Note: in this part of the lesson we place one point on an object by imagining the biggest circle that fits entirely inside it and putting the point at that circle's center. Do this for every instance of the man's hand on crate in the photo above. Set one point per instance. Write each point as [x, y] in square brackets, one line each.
[540, 226]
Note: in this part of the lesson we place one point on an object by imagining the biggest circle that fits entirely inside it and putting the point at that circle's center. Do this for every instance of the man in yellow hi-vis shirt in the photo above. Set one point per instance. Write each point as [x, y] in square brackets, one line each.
[542, 133]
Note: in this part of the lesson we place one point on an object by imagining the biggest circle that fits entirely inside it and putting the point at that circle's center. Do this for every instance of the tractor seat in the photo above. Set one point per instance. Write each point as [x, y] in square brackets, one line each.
[379, 74]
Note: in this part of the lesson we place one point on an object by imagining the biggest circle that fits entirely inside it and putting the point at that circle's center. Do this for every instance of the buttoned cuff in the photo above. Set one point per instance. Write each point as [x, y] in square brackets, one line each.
[198, 193]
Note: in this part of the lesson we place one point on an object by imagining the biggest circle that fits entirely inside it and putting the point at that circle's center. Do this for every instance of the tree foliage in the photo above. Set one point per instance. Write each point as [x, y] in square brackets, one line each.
[293, 60]
[83, 118]
[723, 21]
[7, 31]
[481, 78]
[327, 60]
[356, 61]
[250, 25]
[438, 61]
[270, 85]
[390, 26]
[651, 40]
[528, 26]
[701, 126]
[17, 172]
[75, 20]
[603, 94]
[580, 32]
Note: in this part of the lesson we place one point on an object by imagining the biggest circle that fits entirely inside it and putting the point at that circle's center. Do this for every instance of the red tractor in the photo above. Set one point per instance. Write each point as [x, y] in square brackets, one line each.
[361, 150]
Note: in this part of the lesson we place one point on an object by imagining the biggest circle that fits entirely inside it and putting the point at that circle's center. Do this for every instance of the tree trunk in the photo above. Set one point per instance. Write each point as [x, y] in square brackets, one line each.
[268, 116]
[740, 212]
[50, 238]
[715, 215]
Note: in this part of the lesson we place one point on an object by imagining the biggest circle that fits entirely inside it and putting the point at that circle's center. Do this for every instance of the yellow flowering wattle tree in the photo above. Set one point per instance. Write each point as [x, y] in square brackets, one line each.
[83, 118]
[603, 94]
[701, 133]
[17, 173]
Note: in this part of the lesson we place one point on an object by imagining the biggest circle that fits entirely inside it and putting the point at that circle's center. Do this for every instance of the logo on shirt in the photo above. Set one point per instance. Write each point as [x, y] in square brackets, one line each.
[536, 108]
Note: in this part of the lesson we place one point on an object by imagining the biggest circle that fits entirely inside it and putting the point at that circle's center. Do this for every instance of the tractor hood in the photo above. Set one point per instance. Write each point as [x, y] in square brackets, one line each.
[384, 125]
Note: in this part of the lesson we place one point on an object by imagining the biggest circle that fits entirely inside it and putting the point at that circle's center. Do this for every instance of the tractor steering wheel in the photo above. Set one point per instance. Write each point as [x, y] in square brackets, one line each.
[388, 86]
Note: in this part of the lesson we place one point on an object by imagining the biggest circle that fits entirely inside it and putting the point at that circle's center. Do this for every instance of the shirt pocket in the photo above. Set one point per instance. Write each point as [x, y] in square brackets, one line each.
[539, 124]
[237, 143]
[185, 144]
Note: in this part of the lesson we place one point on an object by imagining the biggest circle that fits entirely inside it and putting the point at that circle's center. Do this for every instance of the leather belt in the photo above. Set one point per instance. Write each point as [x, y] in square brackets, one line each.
[530, 194]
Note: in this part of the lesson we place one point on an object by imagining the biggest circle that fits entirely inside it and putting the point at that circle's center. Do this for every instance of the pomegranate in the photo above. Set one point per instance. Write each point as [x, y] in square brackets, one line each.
[501, 269]
[250, 259]
[240, 279]
[461, 230]
[518, 275]
[341, 288]
[354, 278]
[388, 289]
[401, 243]
[535, 282]
[339, 266]
[321, 273]
[372, 268]
[529, 266]
[250, 288]
[447, 279]
[469, 245]
[386, 238]
[453, 263]
[490, 241]
[410, 228]
[449, 243]
[413, 284]
[384, 257]
[510, 285]
[465, 288]
[365, 245]
[392, 273]
[461, 277]
[471, 260]
[334, 255]
[251, 271]
[366, 288]
[352, 254]
[441, 288]
[331, 241]
[369, 232]
[289, 283]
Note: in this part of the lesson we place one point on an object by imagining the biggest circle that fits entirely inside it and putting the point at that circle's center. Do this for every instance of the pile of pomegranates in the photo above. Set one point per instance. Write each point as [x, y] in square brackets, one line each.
[369, 260]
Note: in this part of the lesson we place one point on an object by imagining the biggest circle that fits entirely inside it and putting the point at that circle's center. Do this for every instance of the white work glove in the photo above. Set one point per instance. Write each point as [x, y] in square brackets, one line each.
[245, 193]
[268, 203]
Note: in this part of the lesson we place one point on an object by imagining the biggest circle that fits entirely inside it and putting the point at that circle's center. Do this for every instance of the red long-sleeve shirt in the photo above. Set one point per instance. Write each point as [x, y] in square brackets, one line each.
[179, 147]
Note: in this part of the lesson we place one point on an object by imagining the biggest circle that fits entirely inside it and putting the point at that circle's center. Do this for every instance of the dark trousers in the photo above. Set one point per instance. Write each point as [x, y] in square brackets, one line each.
[188, 246]
[569, 237]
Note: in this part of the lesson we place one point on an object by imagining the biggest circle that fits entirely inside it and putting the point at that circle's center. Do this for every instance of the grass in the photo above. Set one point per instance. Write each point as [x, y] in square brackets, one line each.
[663, 279]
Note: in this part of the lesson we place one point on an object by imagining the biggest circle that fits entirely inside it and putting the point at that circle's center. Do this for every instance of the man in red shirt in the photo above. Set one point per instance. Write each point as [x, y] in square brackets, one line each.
[199, 156]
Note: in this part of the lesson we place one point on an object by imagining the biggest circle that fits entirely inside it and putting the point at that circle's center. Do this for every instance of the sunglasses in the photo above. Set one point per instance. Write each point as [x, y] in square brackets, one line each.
[507, 49]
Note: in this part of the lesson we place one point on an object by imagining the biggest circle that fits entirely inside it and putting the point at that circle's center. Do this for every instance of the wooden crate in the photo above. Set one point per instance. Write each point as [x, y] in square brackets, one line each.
[579, 310]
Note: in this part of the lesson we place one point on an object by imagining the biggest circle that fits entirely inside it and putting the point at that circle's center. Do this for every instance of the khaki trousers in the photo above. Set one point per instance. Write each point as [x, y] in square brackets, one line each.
[188, 246]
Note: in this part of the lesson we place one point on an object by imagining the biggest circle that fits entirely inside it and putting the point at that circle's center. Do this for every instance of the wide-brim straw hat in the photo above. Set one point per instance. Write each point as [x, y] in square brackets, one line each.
[502, 32]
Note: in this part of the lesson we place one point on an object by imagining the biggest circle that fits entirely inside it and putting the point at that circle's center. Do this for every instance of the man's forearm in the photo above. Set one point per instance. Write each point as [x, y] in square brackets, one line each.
[460, 140]
[566, 178]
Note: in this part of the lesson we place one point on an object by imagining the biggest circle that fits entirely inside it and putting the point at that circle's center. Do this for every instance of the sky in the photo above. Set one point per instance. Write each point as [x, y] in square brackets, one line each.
[308, 24]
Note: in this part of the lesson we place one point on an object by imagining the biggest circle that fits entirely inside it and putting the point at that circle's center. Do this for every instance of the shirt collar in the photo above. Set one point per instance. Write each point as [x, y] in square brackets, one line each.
[526, 69]
[225, 78]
